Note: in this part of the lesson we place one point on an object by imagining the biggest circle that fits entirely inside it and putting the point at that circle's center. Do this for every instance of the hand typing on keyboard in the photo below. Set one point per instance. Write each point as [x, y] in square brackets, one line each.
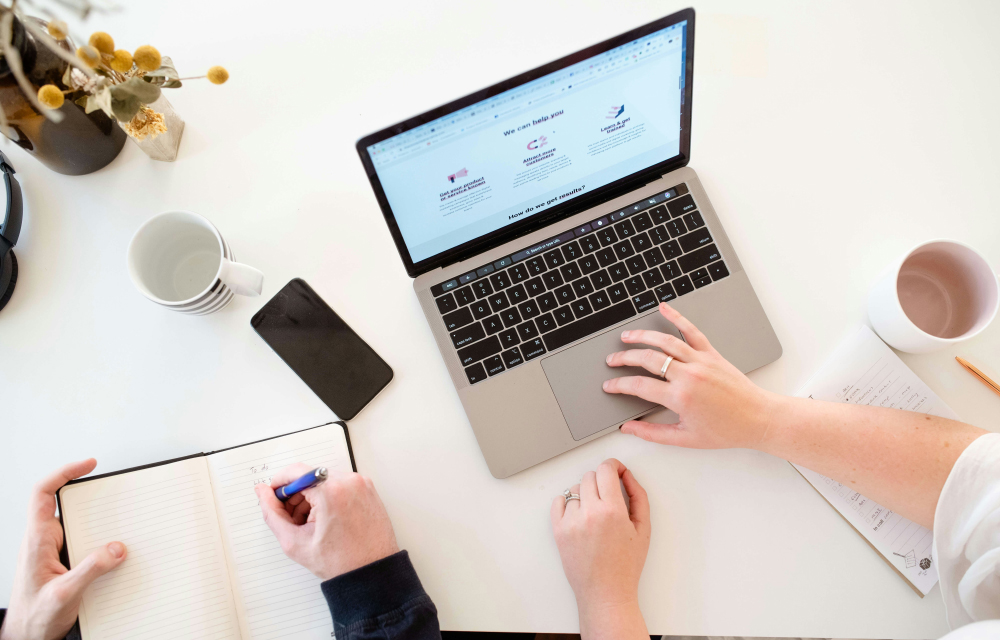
[719, 407]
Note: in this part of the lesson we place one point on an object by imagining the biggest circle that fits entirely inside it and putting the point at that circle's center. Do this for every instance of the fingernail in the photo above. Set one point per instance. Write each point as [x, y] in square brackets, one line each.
[608, 359]
[607, 383]
[625, 335]
[117, 549]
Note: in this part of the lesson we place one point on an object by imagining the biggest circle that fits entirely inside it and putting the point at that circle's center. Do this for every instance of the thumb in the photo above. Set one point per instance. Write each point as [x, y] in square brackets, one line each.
[662, 433]
[95, 565]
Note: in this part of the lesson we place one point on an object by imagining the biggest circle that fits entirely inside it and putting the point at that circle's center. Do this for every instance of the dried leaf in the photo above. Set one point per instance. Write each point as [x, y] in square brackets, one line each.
[101, 100]
[129, 96]
[166, 76]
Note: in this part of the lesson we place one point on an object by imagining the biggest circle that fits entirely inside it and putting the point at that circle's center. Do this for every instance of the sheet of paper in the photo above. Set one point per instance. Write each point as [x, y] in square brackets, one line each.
[863, 370]
[276, 597]
[175, 581]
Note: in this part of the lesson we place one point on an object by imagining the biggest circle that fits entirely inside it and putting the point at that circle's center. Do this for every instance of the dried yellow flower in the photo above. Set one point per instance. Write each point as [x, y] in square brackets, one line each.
[147, 58]
[58, 29]
[122, 61]
[217, 75]
[146, 123]
[102, 42]
[90, 56]
[50, 96]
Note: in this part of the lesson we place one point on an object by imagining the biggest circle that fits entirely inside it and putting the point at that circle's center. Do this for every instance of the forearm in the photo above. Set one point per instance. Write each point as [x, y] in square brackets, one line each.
[621, 622]
[898, 458]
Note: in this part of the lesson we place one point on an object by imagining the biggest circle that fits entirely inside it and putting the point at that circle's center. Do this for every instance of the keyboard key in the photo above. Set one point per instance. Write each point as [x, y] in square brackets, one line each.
[600, 300]
[695, 239]
[545, 322]
[683, 285]
[618, 271]
[682, 205]
[699, 258]
[509, 338]
[617, 293]
[479, 350]
[492, 324]
[517, 294]
[600, 279]
[512, 358]
[670, 270]
[570, 271]
[582, 287]
[482, 271]
[718, 270]
[633, 285]
[480, 309]
[500, 280]
[698, 274]
[571, 251]
[563, 315]
[606, 256]
[591, 324]
[527, 331]
[493, 365]
[547, 302]
[635, 265]
[676, 228]
[625, 229]
[645, 301]
[654, 257]
[659, 234]
[534, 287]
[529, 309]
[535, 266]
[552, 279]
[599, 223]
[518, 273]
[588, 264]
[510, 317]
[467, 278]
[701, 282]
[464, 296]
[498, 301]
[581, 308]
[467, 335]
[446, 303]
[652, 278]
[482, 288]
[671, 249]
[642, 221]
[624, 250]
[590, 243]
[607, 236]
[475, 373]
[693, 220]
[581, 230]
[457, 319]
[503, 263]
[564, 294]
[665, 293]
[659, 214]
[439, 289]
[553, 258]
[533, 349]
[641, 242]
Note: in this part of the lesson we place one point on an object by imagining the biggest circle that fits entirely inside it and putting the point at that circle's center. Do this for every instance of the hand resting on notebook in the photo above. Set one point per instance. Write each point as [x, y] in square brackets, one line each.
[47, 595]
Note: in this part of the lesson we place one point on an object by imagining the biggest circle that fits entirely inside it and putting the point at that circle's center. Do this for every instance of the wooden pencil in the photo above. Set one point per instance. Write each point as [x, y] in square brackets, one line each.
[985, 379]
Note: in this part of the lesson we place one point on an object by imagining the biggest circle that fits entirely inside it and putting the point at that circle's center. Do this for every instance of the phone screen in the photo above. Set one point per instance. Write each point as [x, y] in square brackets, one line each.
[321, 349]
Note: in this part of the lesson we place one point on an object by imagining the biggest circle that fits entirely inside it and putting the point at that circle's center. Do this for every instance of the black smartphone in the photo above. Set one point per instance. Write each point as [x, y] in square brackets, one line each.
[321, 349]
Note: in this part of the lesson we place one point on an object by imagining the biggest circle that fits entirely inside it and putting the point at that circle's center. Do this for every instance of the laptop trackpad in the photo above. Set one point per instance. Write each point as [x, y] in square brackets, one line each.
[576, 376]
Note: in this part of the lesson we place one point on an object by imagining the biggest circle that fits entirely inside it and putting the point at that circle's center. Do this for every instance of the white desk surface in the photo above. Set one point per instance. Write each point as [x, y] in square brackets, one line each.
[830, 139]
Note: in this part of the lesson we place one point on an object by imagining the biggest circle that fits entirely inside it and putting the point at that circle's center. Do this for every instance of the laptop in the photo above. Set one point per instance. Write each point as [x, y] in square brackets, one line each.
[544, 215]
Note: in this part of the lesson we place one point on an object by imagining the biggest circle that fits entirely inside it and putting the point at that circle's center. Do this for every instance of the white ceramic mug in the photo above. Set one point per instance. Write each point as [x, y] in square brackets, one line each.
[180, 260]
[939, 293]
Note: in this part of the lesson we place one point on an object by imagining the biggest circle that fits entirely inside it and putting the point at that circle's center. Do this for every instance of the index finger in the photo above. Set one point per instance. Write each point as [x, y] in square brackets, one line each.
[691, 334]
[608, 474]
[638, 503]
[43, 498]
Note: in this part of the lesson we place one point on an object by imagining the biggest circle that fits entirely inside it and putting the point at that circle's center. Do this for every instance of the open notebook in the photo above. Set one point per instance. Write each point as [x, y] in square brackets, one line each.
[201, 564]
[863, 370]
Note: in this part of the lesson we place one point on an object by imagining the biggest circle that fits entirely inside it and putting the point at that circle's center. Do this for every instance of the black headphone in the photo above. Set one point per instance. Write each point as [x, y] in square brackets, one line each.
[10, 229]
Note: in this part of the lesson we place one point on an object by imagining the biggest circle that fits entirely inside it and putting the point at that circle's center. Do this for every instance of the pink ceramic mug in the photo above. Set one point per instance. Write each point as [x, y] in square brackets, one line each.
[939, 293]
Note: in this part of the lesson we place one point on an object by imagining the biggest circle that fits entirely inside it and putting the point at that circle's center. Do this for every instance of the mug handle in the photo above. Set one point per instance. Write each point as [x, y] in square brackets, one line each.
[242, 279]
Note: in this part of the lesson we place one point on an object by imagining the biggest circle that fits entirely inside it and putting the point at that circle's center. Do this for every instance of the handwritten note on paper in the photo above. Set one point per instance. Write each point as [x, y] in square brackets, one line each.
[863, 370]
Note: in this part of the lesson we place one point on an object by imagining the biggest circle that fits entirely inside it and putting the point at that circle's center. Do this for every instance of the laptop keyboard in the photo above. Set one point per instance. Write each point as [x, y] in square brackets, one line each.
[579, 283]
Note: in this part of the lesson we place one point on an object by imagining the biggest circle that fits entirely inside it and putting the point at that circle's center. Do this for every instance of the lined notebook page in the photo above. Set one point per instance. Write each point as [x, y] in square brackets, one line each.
[276, 597]
[174, 582]
[863, 370]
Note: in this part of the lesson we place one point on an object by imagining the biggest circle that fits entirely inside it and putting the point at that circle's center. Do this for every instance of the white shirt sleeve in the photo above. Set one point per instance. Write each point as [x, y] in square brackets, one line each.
[967, 535]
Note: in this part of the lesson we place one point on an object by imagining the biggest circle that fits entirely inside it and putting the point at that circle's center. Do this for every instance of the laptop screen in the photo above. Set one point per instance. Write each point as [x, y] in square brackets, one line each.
[540, 144]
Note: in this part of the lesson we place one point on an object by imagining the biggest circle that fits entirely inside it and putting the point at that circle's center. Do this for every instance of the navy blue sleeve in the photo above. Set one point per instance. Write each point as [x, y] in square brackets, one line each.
[381, 600]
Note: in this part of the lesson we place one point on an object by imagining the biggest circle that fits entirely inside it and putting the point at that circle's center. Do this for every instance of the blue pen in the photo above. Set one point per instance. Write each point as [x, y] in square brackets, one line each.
[311, 479]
